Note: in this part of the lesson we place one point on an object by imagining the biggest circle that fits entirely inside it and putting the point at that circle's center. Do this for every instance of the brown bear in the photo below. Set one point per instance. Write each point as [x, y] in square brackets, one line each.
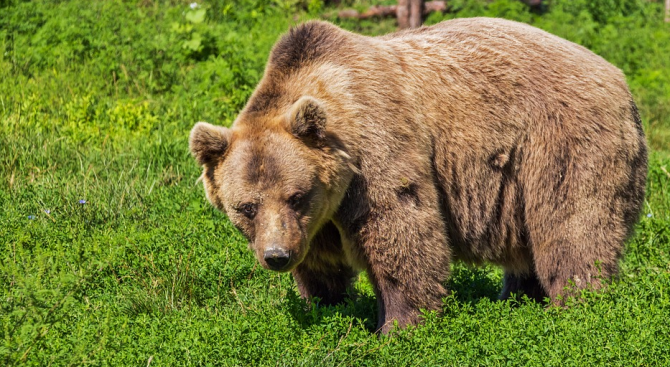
[481, 140]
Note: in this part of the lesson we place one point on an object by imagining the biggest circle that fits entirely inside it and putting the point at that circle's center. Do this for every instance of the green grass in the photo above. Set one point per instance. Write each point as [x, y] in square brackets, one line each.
[96, 102]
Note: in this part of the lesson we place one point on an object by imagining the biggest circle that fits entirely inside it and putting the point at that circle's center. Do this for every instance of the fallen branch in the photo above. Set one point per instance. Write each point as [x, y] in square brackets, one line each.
[532, 3]
[382, 11]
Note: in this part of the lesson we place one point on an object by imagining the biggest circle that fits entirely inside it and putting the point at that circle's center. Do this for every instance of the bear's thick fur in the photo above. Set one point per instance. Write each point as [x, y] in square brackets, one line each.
[481, 140]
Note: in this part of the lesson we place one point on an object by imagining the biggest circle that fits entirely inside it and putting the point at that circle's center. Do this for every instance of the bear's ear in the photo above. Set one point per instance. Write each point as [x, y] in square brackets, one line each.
[208, 143]
[307, 119]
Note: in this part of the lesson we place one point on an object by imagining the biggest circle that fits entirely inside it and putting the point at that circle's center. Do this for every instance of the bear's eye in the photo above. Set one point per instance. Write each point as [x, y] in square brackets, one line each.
[296, 200]
[248, 210]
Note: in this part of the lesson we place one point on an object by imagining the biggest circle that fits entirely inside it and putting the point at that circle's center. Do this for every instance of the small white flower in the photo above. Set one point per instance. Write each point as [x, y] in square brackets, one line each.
[649, 215]
[193, 5]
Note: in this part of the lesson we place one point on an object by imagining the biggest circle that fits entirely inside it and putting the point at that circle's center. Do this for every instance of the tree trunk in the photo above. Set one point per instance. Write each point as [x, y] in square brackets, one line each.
[410, 13]
[415, 13]
[667, 11]
[402, 14]
[390, 10]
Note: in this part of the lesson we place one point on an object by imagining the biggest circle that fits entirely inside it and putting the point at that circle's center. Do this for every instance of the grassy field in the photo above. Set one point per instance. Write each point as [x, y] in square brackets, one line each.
[110, 255]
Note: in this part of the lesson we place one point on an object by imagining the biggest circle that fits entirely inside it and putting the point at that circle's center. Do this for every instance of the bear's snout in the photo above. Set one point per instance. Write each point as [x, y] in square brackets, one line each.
[277, 258]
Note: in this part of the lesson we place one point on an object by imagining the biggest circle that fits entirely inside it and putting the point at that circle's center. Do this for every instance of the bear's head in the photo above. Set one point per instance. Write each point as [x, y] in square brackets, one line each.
[279, 176]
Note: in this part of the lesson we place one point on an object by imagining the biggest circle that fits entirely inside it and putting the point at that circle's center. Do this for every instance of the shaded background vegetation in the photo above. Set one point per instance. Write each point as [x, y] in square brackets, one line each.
[109, 254]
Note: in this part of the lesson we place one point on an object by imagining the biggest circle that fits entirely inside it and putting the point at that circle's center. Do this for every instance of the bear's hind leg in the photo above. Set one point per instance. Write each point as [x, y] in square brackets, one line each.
[577, 235]
[576, 245]
[575, 265]
[520, 284]
[583, 190]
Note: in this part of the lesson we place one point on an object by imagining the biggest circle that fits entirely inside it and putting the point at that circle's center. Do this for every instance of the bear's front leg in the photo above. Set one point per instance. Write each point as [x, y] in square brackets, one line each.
[329, 286]
[324, 272]
[405, 247]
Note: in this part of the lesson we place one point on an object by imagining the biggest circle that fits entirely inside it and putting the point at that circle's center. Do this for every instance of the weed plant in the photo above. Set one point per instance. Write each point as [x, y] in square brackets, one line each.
[110, 255]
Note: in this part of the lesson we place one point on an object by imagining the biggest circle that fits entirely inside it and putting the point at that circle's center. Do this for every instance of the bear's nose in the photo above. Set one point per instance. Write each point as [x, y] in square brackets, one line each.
[277, 258]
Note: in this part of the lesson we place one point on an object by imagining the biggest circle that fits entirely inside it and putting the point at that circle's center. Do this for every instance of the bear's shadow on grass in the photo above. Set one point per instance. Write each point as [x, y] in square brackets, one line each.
[467, 285]
[358, 305]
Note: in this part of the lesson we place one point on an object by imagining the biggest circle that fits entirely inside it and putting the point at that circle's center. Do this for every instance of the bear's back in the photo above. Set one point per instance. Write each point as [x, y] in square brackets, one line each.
[484, 70]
